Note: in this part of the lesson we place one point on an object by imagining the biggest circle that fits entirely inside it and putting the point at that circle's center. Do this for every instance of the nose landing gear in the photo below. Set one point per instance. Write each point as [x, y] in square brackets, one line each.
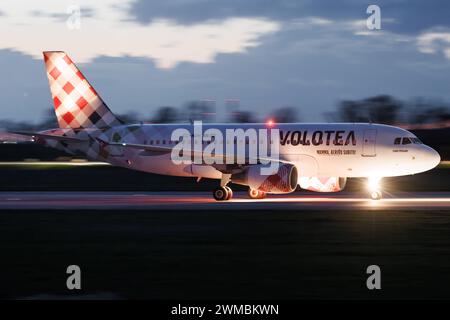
[376, 195]
[374, 188]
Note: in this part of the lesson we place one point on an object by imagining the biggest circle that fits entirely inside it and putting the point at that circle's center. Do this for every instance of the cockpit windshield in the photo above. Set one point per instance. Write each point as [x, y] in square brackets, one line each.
[407, 140]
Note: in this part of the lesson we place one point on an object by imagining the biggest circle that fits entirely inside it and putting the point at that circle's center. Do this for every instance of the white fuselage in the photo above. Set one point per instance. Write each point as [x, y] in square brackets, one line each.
[317, 150]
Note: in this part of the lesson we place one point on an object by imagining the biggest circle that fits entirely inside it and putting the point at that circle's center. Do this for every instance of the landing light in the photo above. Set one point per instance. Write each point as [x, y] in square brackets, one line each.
[373, 183]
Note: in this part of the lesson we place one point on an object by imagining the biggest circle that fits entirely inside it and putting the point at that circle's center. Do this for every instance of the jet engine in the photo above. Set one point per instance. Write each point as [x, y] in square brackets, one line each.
[322, 184]
[283, 181]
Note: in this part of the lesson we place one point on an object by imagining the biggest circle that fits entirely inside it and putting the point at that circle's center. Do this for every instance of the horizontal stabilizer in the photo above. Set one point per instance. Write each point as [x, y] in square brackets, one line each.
[48, 136]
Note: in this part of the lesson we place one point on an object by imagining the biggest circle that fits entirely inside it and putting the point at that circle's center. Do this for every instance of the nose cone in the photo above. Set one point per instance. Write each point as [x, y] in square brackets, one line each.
[430, 158]
[435, 158]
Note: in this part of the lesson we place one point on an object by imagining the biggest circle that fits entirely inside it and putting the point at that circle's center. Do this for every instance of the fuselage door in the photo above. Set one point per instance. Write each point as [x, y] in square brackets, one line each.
[369, 143]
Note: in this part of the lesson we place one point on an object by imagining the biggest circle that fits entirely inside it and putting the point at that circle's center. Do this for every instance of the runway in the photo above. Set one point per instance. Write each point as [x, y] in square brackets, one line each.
[204, 201]
[185, 245]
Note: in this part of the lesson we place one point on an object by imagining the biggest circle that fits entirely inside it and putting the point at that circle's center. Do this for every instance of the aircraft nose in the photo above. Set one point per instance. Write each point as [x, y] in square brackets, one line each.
[431, 157]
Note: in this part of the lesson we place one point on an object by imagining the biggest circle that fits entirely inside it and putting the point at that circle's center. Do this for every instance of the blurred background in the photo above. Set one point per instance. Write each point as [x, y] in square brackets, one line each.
[428, 119]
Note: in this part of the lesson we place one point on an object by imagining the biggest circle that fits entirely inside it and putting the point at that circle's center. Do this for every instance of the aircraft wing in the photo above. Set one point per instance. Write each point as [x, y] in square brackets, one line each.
[137, 146]
[163, 150]
[48, 136]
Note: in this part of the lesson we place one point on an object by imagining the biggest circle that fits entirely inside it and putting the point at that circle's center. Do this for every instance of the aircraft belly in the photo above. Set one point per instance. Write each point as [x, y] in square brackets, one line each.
[161, 164]
[307, 165]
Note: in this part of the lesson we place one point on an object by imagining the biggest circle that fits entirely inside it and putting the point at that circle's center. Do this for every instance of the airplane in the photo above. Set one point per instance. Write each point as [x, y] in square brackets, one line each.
[318, 157]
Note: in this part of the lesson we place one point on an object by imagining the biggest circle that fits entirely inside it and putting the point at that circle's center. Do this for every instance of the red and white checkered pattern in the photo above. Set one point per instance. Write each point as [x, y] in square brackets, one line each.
[279, 182]
[321, 184]
[77, 104]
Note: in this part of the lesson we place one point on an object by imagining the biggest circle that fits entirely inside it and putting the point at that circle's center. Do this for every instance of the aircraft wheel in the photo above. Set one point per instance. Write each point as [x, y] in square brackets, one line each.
[221, 194]
[376, 195]
[230, 193]
[253, 193]
[256, 194]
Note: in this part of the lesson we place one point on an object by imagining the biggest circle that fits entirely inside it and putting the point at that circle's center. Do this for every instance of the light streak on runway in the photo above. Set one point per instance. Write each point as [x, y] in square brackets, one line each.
[204, 201]
[53, 163]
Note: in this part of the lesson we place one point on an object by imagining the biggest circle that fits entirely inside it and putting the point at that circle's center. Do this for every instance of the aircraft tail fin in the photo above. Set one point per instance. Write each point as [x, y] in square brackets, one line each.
[77, 104]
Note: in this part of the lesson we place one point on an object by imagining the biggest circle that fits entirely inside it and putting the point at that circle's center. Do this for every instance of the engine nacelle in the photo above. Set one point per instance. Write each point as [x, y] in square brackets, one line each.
[284, 181]
[322, 184]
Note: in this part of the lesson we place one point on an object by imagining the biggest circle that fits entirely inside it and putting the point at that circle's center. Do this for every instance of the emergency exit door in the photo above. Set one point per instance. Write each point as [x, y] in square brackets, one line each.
[369, 143]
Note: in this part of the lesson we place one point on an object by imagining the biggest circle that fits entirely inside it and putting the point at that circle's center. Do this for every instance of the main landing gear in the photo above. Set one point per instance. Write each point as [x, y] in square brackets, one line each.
[223, 193]
[256, 194]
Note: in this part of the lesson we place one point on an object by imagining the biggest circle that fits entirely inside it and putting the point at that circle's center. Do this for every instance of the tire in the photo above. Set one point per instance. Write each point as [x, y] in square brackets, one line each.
[230, 193]
[253, 193]
[256, 194]
[376, 195]
[220, 194]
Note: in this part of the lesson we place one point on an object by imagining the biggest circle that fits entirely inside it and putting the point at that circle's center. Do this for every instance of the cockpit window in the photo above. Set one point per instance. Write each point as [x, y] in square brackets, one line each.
[406, 141]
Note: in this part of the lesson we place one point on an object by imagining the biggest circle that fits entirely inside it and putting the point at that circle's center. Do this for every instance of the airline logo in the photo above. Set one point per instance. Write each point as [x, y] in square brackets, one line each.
[317, 138]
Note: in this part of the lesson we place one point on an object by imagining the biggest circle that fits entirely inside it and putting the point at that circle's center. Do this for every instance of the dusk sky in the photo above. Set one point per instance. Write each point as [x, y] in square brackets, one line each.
[141, 55]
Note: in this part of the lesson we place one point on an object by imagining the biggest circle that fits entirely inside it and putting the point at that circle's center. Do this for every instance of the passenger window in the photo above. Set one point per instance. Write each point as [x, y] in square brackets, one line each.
[397, 140]
[406, 141]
